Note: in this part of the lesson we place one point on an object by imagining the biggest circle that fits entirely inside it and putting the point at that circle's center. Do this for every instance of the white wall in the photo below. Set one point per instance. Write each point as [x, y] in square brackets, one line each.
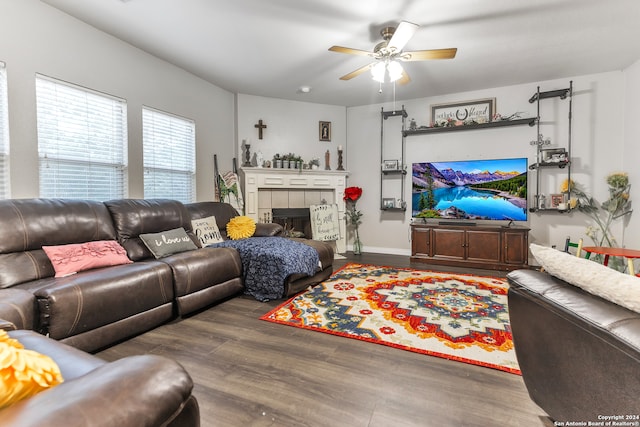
[292, 127]
[631, 160]
[598, 146]
[36, 38]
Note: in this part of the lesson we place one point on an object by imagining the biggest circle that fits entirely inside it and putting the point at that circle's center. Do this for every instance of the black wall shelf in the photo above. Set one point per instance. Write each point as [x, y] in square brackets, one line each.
[395, 182]
[395, 172]
[560, 165]
[550, 210]
[527, 121]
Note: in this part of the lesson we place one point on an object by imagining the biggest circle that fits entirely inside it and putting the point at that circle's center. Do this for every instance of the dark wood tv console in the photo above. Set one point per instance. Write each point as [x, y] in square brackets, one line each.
[475, 246]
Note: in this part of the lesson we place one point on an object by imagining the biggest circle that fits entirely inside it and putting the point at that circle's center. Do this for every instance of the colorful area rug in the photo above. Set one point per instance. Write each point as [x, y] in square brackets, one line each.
[454, 316]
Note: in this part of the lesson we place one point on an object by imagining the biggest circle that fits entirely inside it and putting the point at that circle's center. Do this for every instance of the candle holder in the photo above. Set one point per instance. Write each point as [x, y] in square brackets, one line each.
[340, 167]
[247, 155]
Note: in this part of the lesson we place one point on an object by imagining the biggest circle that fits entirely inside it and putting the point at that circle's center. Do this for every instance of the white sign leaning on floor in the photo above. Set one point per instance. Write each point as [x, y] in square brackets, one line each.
[324, 222]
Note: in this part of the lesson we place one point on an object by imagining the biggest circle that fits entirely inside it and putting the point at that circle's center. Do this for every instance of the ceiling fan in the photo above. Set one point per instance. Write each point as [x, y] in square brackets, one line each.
[388, 53]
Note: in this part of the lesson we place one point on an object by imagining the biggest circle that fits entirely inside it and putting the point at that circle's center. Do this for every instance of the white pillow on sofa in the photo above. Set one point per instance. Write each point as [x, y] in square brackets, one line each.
[206, 230]
[622, 289]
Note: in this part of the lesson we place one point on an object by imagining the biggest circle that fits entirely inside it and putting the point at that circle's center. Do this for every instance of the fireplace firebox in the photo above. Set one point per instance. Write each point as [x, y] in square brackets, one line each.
[296, 221]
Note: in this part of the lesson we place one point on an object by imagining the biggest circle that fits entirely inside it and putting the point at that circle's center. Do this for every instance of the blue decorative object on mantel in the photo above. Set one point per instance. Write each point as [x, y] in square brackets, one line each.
[268, 261]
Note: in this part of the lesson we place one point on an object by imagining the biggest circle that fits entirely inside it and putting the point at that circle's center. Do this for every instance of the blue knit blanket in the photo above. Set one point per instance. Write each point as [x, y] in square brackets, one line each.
[268, 261]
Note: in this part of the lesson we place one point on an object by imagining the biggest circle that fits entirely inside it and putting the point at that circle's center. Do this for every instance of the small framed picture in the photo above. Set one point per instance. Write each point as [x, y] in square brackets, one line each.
[556, 200]
[325, 131]
[390, 165]
[554, 155]
[388, 203]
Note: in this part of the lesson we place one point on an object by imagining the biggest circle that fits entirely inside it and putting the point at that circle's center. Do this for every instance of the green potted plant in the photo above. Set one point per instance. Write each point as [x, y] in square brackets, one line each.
[314, 163]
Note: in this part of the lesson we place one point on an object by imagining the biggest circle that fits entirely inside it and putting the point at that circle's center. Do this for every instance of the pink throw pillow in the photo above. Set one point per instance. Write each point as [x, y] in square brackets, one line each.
[69, 259]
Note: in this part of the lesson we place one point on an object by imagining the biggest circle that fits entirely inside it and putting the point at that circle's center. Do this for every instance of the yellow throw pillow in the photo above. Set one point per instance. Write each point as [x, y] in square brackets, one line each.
[23, 373]
[241, 227]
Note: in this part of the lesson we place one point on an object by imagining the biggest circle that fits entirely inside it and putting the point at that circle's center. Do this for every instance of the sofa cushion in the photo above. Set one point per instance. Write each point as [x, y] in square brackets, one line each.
[622, 289]
[18, 307]
[214, 273]
[23, 372]
[206, 230]
[222, 211]
[133, 217]
[168, 242]
[69, 259]
[29, 224]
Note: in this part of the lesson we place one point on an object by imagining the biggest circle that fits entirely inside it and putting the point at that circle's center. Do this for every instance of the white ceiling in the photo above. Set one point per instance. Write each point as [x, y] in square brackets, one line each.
[273, 47]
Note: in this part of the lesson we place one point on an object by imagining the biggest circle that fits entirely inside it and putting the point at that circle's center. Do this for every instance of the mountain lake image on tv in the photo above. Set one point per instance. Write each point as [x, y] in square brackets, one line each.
[472, 189]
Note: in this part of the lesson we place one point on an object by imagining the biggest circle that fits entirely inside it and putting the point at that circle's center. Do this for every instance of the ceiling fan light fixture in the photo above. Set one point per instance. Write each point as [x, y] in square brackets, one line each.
[378, 71]
[395, 71]
[387, 52]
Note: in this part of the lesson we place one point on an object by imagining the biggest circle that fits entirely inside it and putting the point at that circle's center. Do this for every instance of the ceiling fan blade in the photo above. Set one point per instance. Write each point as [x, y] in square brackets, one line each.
[357, 72]
[401, 36]
[350, 51]
[423, 55]
[404, 79]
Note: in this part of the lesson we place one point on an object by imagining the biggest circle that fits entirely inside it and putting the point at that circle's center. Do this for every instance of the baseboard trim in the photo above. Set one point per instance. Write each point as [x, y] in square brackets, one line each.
[380, 250]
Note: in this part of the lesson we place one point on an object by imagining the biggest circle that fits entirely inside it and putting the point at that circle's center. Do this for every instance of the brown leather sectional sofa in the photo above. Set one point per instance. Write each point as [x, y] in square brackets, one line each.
[134, 391]
[579, 354]
[96, 308]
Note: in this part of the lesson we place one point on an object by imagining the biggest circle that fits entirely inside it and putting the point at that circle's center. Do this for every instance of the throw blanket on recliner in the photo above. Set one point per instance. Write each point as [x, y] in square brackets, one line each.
[268, 261]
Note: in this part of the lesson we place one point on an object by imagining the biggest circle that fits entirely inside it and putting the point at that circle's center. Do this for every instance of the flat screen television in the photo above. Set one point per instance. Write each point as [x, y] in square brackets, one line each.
[493, 189]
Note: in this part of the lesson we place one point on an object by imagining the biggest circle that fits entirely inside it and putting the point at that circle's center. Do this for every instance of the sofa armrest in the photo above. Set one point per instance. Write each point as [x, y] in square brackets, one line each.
[134, 391]
[268, 229]
[5, 325]
[18, 307]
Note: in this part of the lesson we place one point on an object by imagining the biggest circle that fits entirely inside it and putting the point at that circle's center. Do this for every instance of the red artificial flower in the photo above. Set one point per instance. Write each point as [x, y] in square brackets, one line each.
[352, 193]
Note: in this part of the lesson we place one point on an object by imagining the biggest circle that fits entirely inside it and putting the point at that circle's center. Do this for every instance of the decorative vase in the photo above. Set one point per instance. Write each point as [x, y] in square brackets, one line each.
[357, 247]
[357, 244]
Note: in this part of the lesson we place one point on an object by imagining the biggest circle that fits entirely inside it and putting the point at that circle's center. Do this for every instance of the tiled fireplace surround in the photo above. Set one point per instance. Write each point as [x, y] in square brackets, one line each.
[265, 189]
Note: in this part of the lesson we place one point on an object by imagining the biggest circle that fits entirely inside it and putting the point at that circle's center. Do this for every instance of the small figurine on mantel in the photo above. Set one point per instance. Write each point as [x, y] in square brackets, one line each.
[327, 161]
[259, 159]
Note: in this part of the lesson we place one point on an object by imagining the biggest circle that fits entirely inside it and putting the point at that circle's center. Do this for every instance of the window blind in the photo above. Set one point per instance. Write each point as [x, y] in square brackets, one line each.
[82, 138]
[169, 145]
[4, 134]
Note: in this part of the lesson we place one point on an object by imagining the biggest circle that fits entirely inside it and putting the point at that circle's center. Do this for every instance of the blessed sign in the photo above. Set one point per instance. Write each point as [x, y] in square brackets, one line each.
[479, 111]
[324, 222]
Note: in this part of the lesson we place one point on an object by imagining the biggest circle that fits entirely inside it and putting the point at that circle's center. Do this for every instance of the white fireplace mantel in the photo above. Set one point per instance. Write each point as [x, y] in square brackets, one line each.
[257, 179]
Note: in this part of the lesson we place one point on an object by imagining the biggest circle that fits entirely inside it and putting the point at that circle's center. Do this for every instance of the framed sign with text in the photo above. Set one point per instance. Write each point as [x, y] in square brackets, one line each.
[460, 113]
[324, 222]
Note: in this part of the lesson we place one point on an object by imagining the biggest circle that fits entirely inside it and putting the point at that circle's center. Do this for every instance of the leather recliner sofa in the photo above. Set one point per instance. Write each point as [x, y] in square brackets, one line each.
[95, 308]
[579, 354]
[136, 391]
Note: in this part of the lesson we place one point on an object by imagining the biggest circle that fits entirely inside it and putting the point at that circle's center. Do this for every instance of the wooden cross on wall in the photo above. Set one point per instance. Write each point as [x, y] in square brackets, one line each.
[260, 126]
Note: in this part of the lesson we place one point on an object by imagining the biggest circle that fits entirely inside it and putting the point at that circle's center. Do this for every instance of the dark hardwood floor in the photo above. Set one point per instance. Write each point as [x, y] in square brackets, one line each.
[249, 372]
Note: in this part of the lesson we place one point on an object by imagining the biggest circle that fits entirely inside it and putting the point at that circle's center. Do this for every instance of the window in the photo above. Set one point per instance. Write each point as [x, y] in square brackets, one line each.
[4, 134]
[82, 138]
[169, 145]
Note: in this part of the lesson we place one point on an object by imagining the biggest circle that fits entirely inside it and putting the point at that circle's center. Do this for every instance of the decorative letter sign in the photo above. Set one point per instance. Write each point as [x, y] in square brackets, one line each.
[324, 222]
